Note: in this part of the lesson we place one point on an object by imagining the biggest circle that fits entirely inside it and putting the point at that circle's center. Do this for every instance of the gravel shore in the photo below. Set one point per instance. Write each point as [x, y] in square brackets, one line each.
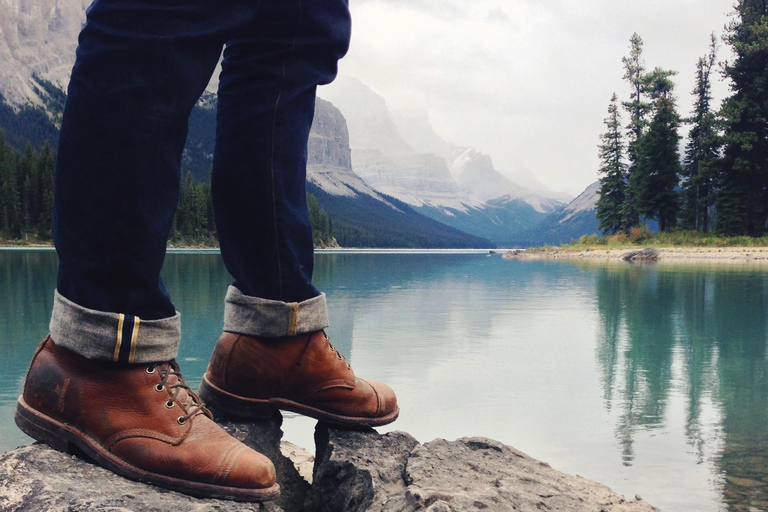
[681, 254]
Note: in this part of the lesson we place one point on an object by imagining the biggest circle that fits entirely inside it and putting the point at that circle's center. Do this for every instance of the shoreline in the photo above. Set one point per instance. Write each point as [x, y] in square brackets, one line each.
[673, 254]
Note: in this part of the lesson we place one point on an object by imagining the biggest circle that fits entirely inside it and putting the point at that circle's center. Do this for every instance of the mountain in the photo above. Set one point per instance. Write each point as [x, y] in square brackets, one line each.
[363, 217]
[576, 219]
[399, 184]
[37, 43]
[457, 186]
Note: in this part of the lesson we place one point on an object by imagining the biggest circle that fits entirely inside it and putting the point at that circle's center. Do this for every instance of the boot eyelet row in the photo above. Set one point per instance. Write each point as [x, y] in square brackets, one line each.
[159, 388]
[150, 369]
[168, 404]
[182, 420]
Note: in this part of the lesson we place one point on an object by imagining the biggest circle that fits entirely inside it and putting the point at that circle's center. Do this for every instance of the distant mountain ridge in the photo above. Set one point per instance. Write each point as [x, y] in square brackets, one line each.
[454, 185]
[398, 183]
[578, 218]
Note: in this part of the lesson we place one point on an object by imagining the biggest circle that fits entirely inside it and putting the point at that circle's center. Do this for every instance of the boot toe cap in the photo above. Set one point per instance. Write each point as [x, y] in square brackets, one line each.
[387, 400]
[251, 470]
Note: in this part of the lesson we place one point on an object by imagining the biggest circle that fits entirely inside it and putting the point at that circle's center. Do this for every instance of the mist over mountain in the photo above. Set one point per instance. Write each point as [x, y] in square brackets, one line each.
[401, 155]
[387, 179]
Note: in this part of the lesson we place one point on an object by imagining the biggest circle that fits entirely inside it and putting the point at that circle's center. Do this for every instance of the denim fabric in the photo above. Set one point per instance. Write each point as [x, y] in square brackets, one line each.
[271, 318]
[141, 66]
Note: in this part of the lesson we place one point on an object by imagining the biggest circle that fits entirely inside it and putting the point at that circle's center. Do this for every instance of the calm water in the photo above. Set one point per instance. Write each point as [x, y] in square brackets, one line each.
[650, 379]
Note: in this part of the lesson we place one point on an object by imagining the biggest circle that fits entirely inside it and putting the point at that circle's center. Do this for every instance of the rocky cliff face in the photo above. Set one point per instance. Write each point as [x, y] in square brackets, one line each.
[329, 157]
[384, 160]
[37, 38]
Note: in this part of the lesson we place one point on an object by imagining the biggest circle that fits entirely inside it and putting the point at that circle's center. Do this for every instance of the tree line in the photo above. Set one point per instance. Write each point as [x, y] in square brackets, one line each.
[26, 202]
[720, 182]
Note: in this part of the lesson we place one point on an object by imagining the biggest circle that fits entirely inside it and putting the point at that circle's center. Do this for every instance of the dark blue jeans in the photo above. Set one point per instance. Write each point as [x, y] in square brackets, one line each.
[141, 66]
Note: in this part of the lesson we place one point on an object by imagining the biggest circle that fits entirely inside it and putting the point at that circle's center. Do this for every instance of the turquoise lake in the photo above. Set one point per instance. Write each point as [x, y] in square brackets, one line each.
[649, 378]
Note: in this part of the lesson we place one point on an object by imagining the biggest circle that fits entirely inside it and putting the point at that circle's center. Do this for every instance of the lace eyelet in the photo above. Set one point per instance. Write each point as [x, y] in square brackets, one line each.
[159, 388]
[150, 369]
[182, 420]
[168, 404]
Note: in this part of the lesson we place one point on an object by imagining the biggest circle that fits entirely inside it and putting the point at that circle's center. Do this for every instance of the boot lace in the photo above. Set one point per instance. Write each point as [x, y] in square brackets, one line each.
[339, 355]
[193, 406]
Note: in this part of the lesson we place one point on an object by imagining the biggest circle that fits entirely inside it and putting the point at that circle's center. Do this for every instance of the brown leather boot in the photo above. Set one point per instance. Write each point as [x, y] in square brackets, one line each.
[141, 422]
[251, 378]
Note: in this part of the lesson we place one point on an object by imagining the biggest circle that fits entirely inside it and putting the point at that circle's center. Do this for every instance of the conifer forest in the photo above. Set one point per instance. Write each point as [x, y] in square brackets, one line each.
[719, 182]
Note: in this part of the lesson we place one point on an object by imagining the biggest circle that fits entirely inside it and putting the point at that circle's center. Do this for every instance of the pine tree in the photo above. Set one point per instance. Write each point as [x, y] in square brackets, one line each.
[10, 215]
[46, 163]
[27, 185]
[612, 174]
[637, 107]
[702, 152]
[658, 163]
[742, 201]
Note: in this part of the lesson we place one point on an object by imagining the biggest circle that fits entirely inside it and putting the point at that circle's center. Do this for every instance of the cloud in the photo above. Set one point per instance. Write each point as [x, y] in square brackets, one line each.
[526, 81]
[499, 15]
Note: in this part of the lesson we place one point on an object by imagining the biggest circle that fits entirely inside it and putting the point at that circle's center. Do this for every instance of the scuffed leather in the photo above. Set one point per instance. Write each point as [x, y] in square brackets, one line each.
[303, 368]
[120, 408]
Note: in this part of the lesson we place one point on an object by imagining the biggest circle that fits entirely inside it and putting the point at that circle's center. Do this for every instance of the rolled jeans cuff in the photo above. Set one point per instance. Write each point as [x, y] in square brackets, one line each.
[253, 316]
[113, 337]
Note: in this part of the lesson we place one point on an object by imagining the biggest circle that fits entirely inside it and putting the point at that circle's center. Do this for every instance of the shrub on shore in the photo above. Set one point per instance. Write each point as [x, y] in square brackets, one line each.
[672, 238]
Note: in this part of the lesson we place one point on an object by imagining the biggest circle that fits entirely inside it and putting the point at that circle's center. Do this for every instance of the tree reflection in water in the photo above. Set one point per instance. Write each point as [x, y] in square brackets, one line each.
[702, 330]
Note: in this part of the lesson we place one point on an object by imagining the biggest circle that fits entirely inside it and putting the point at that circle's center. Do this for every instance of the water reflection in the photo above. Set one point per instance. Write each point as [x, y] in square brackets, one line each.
[649, 378]
[703, 330]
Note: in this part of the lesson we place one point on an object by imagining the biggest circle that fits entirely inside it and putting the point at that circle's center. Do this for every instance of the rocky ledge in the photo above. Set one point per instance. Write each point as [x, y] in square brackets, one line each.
[353, 471]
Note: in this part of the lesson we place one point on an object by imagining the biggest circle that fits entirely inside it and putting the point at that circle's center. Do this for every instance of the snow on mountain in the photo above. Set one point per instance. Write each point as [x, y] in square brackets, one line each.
[457, 186]
[584, 202]
[578, 218]
[475, 174]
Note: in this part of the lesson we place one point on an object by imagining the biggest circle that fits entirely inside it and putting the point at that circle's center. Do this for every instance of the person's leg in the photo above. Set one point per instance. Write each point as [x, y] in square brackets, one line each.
[274, 316]
[140, 68]
[141, 65]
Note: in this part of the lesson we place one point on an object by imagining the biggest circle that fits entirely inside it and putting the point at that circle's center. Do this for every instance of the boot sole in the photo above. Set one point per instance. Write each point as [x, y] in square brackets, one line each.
[255, 408]
[64, 437]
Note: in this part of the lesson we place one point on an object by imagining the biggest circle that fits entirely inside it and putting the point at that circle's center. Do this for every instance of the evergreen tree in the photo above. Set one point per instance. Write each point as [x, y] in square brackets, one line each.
[185, 210]
[637, 107]
[10, 199]
[742, 201]
[658, 163]
[46, 163]
[612, 174]
[702, 152]
[27, 185]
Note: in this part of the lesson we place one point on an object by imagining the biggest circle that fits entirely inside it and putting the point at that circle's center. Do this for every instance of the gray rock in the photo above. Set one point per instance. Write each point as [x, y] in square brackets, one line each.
[264, 437]
[39, 479]
[354, 471]
[475, 473]
[648, 254]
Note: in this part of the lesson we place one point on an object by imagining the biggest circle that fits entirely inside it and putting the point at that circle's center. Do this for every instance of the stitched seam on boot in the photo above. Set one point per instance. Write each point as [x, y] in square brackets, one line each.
[229, 464]
[142, 433]
[334, 384]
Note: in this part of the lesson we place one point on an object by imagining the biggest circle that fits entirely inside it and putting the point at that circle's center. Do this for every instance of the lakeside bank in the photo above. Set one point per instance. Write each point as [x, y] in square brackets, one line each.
[757, 255]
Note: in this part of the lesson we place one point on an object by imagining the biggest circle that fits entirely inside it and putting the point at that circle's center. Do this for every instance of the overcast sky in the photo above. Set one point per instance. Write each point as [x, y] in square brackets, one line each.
[526, 81]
